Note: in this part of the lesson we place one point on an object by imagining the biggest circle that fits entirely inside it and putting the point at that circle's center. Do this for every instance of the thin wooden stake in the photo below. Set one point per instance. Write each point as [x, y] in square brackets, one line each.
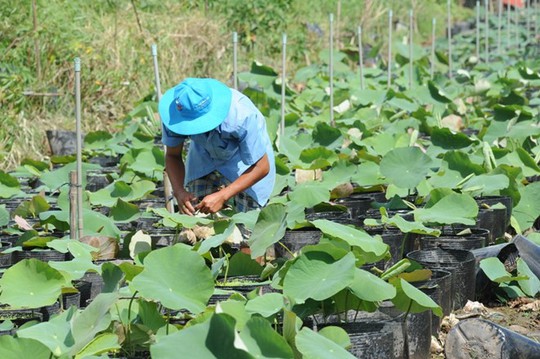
[235, 59]
[487, 30]
[360, 57]
[449, 30]
[528, 20]
[390, 25]
[283, 81]
[433, 39]
[79, 147]
[37, 53]
[508, 25]
[499, 26]
[411, 43]
[517, 29]
[331, 70]
[73, 192]
[167, 187]
[478, 30]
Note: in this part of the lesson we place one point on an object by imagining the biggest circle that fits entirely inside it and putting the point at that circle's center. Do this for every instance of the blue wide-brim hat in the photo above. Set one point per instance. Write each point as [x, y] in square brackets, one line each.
[195, 106]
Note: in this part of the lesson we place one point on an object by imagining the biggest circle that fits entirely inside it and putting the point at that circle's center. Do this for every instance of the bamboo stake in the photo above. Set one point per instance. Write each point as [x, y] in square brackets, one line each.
[486, 2]
[508, 23]
[331, 70]
[37, 54]
[433, 39]
[411, 43]
[516, 28]
[499, 26]
[79, 147]
[360, 57]
[283, 82]
[73, 192]
[390, 15]
[449, 30]
[528, 20]
[478, 30]
[167, 187]
[338, 17]
[235, 59]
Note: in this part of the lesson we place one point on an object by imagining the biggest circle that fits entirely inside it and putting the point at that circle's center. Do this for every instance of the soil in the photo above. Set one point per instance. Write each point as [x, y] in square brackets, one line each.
[521, 315]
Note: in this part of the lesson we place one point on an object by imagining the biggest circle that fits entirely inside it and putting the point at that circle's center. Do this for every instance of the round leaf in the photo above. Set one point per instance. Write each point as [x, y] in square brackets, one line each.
[405, 167]
[31, 283]
[369, 287]
[177, 277]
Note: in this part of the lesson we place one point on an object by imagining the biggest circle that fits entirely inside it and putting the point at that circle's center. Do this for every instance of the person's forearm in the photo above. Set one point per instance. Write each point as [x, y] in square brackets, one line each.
[176, 170]
[247, 179]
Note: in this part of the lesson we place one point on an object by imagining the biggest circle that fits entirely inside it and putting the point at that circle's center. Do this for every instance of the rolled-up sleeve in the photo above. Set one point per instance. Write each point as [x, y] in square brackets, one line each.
[252, 138]
[171, 139]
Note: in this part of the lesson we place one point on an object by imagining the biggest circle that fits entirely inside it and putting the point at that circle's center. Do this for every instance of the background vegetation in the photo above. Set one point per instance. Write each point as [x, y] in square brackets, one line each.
[113, 39]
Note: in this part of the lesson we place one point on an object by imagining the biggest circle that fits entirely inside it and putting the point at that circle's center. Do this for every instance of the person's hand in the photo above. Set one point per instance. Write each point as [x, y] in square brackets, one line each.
[185, 202]
[211, 203]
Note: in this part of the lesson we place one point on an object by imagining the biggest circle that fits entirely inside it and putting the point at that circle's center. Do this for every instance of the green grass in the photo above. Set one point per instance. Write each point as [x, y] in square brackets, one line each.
[193, 37]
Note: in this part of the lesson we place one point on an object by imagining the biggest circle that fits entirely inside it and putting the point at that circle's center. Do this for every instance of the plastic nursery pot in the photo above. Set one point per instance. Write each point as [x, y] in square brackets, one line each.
[295, 239]
[494, 220]
[96, 180]
[460, 263]
[371, 339]
[358, 205]
[105, 161]
[397, 241]
[5, 259]
[62, 142]
[43, 255]
[71, 299]
[438, 288]
[412, 332]
[504, 200]
[451, 242]
[96, 286]
[18, 317]
[334, 216]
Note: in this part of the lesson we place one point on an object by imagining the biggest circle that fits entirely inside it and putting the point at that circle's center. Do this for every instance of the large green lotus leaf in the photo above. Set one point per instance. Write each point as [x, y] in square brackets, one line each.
[405, 167]
[59, 177]
[200, 341]
[92, 320]
[495, 270]
[4, 216]
[409, 298]
[368, 174]
[316, 346]
[353, 237]
[82, 258]
[369, 96]
[326, 135]
[269, 228]
[140, 189]
[451, 209]
[337, 335]
[241, 264]
[235, 308]
[14, 348]
[448, 140]
[340, 173]
[124, 212]
[459, 161]
[31, 283]
[528, 209]
[102, 343]
[317, 157]
[9, 185]
[318, 276]
[310, 194]
[54, 334]
[486, 184]
[371, 288]
[108, 196]
[290, 148]
[177, 277]
[180, 220]
[266, 305]
[94, 222]
[527, 159]
[380, 143]
[438, 94]
[32, 207]
[531, 285]
[445, 177]
[216, 240]
[150, 162]
[262, 341]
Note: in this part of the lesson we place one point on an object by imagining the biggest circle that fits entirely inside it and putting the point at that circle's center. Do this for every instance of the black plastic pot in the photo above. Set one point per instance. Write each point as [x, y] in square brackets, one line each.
[334, 216]
[460, 263]
[85, 291]
[96, 180]
[492, 200]
[492, 219]
[71, 299]
[50, 310]
[296, 239]
[438, 288]
[62, 142]
[452, 242]
[482, 339]
[19, 317]
[396, 241]
[5, 259]
[96, 286]
[44, 255]
[369, 340]
[358, 205]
